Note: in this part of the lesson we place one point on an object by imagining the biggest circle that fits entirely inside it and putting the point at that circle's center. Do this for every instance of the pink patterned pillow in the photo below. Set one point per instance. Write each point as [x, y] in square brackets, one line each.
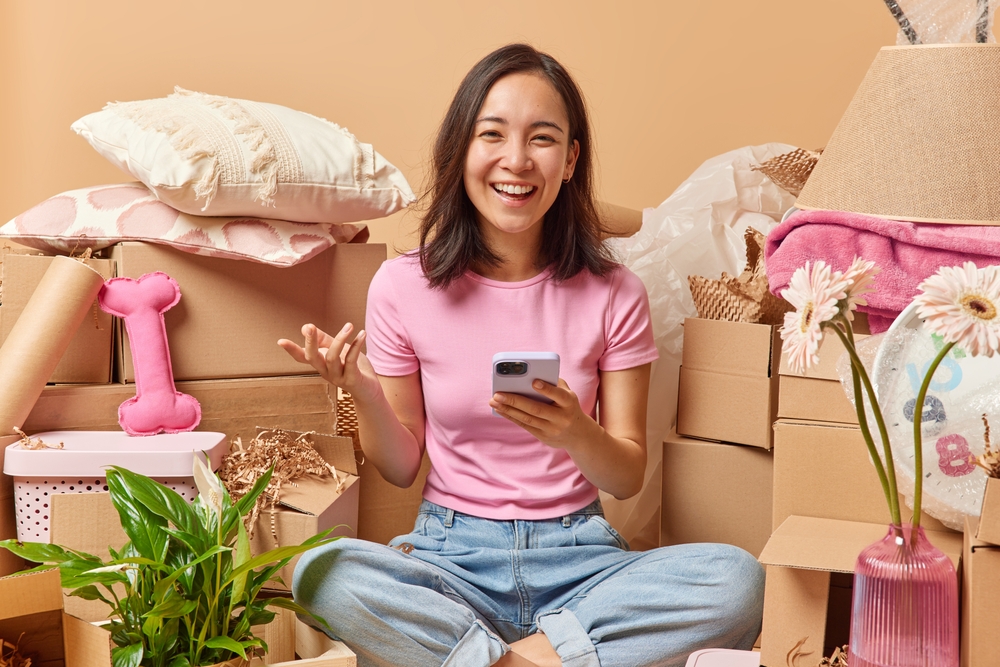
[101, 216]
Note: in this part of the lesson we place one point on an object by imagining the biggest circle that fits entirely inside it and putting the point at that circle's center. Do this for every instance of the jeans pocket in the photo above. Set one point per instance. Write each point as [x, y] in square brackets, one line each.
[595, 531]
[429, 533]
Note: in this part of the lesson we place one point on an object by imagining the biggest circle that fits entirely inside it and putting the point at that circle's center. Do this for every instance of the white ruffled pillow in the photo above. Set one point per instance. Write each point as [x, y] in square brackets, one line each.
[98, 217]
[210, 155]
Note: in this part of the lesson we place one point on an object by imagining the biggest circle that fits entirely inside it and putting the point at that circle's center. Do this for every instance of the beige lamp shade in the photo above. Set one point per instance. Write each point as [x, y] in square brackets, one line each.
[920, 141]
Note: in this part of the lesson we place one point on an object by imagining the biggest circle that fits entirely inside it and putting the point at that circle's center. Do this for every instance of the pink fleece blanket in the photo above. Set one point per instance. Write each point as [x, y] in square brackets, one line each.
[907, 252]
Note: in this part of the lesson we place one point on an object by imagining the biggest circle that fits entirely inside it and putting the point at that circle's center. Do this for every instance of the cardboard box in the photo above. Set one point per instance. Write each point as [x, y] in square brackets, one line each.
[309, 505]
[32, 605]
[232, 312]
[988, 525]
[9, 563]
[804, 599]
[385, 510]
[980, 604]
[822, 469]
[728, 386]
[234, 407]
[88, 357]
[816, 394]
[311, 644]
[715, 493]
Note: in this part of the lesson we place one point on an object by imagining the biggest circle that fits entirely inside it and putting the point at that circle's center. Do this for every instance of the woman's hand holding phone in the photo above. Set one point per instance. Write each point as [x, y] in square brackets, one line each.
[528, 391]
[340, 363]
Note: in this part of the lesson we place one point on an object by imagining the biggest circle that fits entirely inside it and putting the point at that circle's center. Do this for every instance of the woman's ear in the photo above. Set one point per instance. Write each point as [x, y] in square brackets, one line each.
[571, 158]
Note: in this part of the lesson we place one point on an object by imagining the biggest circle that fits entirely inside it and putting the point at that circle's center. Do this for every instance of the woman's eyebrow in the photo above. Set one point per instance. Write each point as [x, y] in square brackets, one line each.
[537, 123]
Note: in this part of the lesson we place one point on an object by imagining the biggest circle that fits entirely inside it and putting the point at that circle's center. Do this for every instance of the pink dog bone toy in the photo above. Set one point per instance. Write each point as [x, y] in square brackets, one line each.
[157, 405]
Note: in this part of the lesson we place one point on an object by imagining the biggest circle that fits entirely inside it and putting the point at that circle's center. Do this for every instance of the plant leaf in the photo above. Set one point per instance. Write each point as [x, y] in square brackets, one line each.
[173, 606]
[240, 556]
[37, 552]
[276, 555]
[180, 661]
[287, 603]
[161, 586]
[143, 527]
[91, 593]
[160, 500]
[126, 656]
[228, 644]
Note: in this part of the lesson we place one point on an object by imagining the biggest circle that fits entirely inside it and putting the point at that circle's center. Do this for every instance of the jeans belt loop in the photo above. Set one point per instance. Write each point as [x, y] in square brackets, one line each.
[449, 518]
[566, 521]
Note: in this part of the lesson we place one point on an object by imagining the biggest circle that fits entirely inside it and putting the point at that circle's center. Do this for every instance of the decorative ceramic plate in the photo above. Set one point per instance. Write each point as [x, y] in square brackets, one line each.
[962, 390]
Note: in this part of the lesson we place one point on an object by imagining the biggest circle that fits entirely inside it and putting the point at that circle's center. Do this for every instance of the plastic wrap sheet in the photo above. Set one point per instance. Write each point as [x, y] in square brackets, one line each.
[943, 21]
[951, 426]
[698, 230]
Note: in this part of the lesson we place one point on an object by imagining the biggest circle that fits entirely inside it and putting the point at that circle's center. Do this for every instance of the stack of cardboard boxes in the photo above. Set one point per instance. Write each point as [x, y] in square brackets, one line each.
[774, 462]
[222, 337]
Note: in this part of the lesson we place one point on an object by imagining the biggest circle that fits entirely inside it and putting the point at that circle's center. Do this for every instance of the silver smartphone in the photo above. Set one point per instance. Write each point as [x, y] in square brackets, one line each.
[513, 372]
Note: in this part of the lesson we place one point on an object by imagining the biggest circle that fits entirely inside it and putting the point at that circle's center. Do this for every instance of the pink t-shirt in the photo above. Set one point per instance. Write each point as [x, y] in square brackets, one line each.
[482, 464]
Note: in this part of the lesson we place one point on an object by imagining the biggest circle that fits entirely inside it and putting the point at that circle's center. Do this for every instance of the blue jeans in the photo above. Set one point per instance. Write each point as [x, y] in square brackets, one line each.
[458, 589]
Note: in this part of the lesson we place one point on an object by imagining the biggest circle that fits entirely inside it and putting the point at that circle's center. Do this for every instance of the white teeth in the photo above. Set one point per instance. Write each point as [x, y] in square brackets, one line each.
[513, 189]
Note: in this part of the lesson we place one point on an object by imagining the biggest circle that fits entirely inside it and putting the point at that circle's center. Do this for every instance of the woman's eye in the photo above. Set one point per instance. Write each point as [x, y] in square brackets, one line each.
[490, 134]
[543, 138]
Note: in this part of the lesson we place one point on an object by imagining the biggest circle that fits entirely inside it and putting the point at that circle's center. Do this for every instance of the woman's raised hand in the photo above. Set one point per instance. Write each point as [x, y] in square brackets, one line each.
[340, 363]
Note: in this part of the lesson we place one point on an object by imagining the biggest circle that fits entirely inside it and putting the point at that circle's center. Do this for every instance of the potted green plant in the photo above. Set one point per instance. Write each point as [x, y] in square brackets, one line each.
[184, 591]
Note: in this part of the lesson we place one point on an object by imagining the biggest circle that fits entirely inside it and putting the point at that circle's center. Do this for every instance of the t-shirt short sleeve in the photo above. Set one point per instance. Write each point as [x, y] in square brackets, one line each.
[630, 331]
[389, 348]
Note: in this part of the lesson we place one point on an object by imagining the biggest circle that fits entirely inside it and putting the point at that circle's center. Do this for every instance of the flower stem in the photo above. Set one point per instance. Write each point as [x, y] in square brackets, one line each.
[918, 447]
[886, 473]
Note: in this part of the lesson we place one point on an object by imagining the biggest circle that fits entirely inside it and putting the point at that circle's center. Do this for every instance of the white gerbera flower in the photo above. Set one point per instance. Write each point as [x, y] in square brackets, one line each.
[860, 279]
[814, 295]
[962, 305]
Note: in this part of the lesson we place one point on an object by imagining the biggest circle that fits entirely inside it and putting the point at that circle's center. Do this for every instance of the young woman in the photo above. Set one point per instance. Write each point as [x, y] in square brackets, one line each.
[510, 557]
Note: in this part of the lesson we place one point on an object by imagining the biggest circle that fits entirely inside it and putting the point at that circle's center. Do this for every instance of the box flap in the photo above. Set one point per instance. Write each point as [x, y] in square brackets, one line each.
[831, 545]
[313, 495]
[988, 522]
[87, 645]
[34, 593]
[734, 348]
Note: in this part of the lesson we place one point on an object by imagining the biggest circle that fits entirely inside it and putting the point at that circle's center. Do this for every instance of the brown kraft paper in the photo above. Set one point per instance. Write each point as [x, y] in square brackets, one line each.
[41, 335]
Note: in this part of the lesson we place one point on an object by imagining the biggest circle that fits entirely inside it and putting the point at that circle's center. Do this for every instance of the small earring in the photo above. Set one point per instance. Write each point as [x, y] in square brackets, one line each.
[566, 180]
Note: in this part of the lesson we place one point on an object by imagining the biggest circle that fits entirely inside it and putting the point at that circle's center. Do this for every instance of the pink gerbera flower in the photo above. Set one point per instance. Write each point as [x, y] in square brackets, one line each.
[814, 294]
[860, 279]
[962, 304]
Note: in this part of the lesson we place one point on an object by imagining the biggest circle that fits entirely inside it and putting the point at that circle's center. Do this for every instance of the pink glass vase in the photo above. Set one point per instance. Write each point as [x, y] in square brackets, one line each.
[905, 606]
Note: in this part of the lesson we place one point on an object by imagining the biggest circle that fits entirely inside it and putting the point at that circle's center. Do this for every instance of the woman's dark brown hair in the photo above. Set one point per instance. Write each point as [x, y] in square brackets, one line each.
[450, 239]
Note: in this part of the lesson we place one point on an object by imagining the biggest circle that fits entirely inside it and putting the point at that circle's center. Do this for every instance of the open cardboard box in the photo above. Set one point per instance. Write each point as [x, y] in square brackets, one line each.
[988, 525]
[88, 357]
[735, 508]
[816, 394]
[235, 407]
[980, 604]
[53, 638]
[822, 469]
[810, 563]
[33, 605]
[311, 505]
[728, 385]
[232, 312]
[88, 522]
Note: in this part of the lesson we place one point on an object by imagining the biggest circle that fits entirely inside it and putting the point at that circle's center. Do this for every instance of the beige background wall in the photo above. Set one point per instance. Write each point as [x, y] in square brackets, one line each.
[670, 83]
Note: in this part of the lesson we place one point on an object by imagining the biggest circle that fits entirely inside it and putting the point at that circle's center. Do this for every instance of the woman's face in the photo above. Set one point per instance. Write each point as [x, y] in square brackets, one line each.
[519, 155]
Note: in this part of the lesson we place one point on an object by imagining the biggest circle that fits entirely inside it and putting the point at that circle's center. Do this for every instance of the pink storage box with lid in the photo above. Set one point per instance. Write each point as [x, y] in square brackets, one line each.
[80, 465]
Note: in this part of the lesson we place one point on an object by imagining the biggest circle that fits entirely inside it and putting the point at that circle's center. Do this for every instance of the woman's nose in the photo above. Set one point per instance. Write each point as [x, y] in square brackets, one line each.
[516, 157]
